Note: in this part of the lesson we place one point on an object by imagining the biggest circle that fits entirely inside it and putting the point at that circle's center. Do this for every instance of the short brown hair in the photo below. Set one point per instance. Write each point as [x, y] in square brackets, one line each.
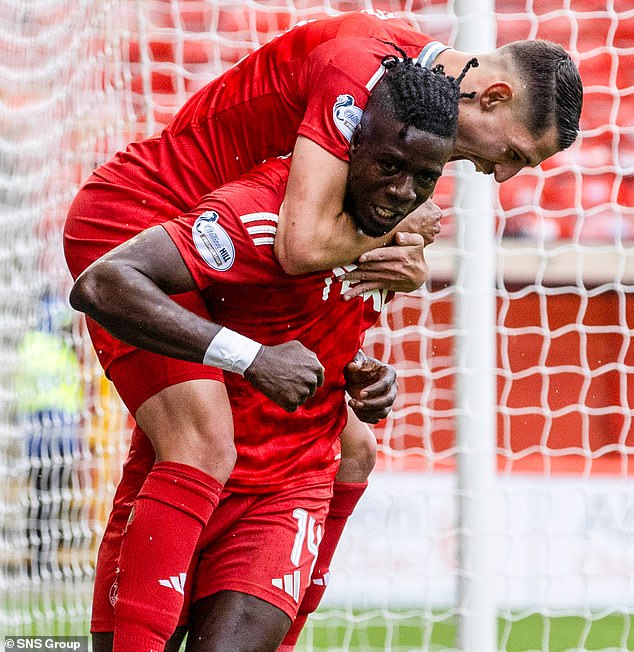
[553, 85]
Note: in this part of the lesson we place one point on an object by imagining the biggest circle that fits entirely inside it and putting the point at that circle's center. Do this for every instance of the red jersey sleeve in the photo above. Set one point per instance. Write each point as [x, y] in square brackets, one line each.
[335, 99]
[336, 82]
[221, 239]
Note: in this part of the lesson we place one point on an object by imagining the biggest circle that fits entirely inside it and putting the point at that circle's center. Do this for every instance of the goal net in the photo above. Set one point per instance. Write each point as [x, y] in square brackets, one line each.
[517, 516]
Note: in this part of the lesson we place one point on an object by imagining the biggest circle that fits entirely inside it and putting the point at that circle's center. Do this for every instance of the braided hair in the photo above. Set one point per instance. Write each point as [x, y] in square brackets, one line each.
[424, 98]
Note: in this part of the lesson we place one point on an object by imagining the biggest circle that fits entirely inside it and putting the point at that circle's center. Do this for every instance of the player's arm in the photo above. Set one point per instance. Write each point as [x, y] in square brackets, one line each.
[314, 233]
[127, 292]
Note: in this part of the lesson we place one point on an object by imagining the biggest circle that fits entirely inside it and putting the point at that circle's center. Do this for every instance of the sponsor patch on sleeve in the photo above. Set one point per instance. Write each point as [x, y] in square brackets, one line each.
[346, 115]
[213, 242]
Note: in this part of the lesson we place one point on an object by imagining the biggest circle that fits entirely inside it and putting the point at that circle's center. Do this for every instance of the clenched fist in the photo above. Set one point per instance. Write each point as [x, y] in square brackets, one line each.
[288, 374]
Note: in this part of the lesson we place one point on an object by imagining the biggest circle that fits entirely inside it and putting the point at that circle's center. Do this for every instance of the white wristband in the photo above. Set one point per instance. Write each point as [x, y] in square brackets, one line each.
[231, 351]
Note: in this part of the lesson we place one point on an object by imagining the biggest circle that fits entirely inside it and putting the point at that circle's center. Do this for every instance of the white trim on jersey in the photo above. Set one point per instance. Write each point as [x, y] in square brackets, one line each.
[426, 58]
[263, 241]
[259, 229]
[262, 228]
[256, 217]
[375, 78]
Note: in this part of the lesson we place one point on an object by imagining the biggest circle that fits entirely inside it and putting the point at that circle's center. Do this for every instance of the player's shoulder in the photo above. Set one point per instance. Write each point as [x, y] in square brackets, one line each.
[250, 207]
[366, 23]
[266, 182]
[359, 37]
[263, 185]
[379, 24]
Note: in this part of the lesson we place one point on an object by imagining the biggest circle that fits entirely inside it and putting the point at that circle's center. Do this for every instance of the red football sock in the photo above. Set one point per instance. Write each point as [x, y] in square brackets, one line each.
[174, 504]
[345, 497]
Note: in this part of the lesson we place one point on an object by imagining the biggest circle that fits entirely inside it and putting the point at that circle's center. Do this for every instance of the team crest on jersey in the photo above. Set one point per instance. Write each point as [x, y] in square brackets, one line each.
[113, 594]
[346, 115]
[213, 242]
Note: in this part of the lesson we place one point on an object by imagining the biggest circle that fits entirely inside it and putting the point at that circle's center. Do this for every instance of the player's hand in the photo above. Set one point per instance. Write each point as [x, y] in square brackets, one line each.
[372, 387]
[425, 221]
[400, 267]
[289, 374]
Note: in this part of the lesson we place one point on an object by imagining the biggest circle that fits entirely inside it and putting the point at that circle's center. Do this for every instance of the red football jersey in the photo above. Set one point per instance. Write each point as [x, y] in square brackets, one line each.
[227, 244]
[312, 80]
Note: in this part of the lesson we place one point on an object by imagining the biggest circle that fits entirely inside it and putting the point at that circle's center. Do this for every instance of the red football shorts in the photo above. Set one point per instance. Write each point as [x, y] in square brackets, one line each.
[263, 545]
[141, 374]
[101, 217]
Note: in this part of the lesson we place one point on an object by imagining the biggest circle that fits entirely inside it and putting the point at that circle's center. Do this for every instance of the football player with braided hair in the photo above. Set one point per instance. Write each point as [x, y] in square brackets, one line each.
[267, 525]
[418, 100]
[304, 92]
[416, 97]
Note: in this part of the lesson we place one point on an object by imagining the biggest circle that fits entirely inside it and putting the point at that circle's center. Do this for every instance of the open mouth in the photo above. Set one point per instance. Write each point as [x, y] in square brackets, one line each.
[386, 214]
[387, 218]
[382, 220]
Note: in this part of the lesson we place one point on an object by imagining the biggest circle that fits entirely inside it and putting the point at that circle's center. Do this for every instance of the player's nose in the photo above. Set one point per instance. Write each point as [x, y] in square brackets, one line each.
[404, 188]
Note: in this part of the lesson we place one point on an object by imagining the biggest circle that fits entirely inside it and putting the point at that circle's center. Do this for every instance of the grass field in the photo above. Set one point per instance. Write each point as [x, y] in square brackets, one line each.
[374, 631]
[65, 613]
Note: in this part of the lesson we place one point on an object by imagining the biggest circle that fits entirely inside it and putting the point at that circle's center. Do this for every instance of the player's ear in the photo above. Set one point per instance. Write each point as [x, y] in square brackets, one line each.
[494, 94]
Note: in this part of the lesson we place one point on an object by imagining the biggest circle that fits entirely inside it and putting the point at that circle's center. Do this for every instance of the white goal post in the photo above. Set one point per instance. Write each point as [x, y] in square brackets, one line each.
[501, 512]
[475, 346]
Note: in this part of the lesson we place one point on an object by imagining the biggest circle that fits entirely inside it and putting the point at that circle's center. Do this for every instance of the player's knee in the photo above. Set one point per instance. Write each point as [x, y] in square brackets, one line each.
[217, 457]
[178, 422]
[358, 458]
[207, 449]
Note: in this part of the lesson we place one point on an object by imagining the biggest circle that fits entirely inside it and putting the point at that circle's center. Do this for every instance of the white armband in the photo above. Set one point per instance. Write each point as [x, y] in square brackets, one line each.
[231, 351]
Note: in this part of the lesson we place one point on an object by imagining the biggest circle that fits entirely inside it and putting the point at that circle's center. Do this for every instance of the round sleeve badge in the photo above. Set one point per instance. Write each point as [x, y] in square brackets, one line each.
[213, 242]
[346, 115]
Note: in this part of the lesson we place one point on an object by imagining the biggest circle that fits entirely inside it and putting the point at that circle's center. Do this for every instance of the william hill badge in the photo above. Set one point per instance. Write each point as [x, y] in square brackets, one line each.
[213, 242]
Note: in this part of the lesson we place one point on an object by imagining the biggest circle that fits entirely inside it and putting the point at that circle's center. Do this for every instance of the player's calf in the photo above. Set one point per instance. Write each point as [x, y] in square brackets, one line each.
[358, 451]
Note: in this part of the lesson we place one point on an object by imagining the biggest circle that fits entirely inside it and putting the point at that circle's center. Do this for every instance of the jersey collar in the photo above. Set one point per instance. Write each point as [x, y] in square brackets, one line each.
[429, 53]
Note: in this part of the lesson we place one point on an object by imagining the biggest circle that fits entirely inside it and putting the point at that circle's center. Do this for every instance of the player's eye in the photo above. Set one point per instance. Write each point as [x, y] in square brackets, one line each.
[426, 179]
[388, 167]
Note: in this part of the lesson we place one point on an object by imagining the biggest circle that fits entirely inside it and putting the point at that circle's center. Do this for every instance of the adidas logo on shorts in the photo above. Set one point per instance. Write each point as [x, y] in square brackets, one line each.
[176, 582]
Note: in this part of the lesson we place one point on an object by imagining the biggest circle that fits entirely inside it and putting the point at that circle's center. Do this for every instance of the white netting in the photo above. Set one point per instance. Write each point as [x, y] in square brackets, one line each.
[62, 112]
[79, 79]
